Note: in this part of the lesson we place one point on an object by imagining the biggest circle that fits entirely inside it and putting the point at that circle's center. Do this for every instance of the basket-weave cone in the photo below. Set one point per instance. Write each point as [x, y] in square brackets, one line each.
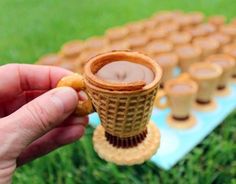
[125, 136]
[124, 109]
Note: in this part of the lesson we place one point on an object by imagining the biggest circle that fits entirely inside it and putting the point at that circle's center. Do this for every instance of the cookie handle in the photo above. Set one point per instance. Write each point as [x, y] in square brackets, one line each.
[159, 97]
[76, 82]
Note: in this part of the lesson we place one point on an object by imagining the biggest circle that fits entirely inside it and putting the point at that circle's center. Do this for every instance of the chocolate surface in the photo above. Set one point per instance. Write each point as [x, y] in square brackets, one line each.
[178, 88]
[206, 43]
[205, 72]
[188, 51]
[166, 59]
[125, 72]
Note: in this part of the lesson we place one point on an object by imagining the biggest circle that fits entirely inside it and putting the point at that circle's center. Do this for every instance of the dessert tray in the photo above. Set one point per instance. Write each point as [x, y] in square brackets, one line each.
[176, 143]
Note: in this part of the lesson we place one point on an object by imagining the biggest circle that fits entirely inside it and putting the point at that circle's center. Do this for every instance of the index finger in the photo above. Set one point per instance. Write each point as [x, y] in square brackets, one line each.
[17, 78]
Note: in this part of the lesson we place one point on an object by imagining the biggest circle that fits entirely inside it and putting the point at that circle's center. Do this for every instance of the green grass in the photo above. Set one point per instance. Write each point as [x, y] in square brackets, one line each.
[31, 28]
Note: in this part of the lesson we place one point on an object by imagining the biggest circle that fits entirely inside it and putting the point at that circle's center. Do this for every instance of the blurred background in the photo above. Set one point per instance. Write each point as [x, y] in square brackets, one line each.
[32, 28]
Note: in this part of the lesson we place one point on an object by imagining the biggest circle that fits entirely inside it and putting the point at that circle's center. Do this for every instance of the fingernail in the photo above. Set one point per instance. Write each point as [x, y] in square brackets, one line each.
[66, 98]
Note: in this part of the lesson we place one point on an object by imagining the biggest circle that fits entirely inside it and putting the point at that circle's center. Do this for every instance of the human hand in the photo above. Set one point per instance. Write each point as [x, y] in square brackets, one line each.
[34, 118]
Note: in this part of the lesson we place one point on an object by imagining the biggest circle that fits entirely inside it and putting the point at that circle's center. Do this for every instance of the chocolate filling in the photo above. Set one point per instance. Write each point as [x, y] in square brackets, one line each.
[162, 85]
[234, 75]
[125, 72]
[180, 118]
[202, 102]
[221, 87]
[127, 142]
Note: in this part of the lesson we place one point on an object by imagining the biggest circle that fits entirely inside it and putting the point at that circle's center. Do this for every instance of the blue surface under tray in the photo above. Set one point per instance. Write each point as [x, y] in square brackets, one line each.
[175, 143]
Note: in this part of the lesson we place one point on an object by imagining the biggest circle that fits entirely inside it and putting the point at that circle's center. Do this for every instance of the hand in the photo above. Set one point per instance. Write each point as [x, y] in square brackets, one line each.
[34, 118]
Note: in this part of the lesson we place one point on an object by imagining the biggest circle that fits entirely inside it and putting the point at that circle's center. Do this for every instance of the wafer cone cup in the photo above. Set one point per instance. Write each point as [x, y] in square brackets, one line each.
[227, 68]
[181, 103]
[206, 84]
[208, 46]
[124, 109]
[185, 59]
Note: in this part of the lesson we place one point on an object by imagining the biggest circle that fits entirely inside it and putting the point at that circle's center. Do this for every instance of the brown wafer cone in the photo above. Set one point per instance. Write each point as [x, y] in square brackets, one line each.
[72, 49]
[165, 16]
[207, 27]
[118, 45]
[149, 24]
[158, 47]
[180, 94]
[202, 30]
[138, 42]
[188, 54]
[180, 38]
[227, 63]
[217, 20]
[208, 46]
[196, 17]
[169, 27]
[181, 101]
[49, 59]
[135, 28]
[229, 29]
[157, 34]
[231, 50]
[207, 76]
[96, 43]
[124, 110]
[183, 21]
[168, 62]
[196, 32]
[117, 34]
[222, 38]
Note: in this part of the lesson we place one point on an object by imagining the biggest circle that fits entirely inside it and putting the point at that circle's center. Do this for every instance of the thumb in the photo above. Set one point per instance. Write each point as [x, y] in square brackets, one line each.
[41, 114]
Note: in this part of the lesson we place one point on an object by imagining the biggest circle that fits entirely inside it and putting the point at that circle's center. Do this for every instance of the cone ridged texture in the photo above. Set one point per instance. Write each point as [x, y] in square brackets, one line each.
[123, 115]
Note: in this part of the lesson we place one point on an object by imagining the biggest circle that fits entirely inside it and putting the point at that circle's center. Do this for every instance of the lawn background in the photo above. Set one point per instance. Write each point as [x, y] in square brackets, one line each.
[31, 28]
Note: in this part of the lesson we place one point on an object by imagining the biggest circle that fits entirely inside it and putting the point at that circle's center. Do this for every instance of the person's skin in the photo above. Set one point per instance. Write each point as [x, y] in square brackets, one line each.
[35, 118]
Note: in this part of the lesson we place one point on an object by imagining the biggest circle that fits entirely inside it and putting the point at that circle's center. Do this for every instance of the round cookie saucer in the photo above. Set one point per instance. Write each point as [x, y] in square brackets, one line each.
[223, 92]
[184, 124]
[205, 107]
[127, 156]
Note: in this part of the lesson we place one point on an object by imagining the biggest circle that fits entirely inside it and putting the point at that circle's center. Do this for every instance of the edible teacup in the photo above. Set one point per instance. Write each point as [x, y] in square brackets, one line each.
[168, 62]
[158, 47]
[180, 38]
[208, 46]
[117, 34]
[222, 38]
[217, 20]
[180, 94]
[71, 50]
[227, 63]
[207, 76]
[123, 100]
[231, 50]
[188, 54]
